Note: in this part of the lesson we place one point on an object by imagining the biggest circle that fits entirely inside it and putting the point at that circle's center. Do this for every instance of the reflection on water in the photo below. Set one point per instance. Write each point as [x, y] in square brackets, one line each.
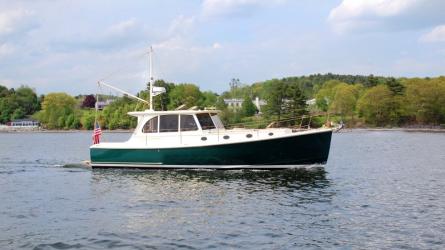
[184, 184]
[279, 178]
[211, 204]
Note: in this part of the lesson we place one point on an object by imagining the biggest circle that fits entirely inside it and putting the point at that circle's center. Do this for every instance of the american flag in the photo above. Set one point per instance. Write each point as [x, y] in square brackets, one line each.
[96, 133]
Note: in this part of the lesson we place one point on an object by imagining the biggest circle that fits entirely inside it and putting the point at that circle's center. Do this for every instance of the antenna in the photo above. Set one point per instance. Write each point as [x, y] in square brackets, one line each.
[151, 76]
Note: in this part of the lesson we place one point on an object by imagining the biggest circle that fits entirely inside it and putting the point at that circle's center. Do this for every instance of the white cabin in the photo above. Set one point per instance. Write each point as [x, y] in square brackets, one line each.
[184, 128]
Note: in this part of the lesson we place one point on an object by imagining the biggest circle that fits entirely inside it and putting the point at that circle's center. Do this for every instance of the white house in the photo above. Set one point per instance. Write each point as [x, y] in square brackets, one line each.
[235, 103]
[102, 104]
[29, 123]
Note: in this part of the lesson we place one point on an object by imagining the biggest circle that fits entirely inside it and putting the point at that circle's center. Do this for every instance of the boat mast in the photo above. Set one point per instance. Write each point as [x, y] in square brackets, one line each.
[151, 77]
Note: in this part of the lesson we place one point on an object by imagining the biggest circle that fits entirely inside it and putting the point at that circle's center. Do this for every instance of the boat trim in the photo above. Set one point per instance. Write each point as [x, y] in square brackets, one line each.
[222, 167]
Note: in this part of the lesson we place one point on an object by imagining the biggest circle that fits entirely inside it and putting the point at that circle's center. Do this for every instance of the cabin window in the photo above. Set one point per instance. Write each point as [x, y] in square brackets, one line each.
[188, 123]
[205, 120]
[151, 126]
[168, 123]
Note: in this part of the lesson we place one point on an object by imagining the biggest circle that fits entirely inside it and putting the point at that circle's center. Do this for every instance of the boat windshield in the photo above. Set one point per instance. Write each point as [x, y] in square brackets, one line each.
[206, 121]
[168, 123]
[188, 123]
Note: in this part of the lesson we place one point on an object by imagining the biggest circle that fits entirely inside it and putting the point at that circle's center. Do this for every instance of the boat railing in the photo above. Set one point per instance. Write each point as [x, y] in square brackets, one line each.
[296, 122]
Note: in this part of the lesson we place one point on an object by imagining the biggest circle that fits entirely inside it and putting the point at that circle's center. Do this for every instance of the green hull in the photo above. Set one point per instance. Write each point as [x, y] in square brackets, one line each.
[295, 150]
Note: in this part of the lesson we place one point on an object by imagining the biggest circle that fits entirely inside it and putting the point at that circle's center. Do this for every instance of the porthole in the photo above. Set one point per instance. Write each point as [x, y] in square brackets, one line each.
[226, 137]
[249, 135]
[203, 138]
[270, 134]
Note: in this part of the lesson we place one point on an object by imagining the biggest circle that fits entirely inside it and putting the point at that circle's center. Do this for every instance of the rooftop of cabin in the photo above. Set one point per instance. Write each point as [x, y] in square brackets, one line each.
[171, 112]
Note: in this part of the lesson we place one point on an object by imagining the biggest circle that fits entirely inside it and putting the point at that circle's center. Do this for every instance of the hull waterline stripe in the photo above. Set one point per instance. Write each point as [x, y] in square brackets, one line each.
[233, 167]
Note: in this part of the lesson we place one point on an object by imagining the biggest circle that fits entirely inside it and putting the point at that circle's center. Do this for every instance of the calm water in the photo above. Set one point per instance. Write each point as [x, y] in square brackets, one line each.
[378, 190]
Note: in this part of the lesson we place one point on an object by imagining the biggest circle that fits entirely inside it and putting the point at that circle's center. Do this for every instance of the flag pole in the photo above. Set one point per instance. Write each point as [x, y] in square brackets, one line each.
[96, 127]
[96, 105]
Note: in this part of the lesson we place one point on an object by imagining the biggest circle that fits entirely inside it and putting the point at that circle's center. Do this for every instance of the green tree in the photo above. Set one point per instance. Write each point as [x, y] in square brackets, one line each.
[371, 81]
[344, 100]
[8, 105]
[208, 99]
[61, 122]
[3, 91]
[16, 104]
[55, 108]
[247, 107]
[188, 94]
[17, 114]
[395, 86]
[75, 124]
[295, 104]
[225, 113]
[69, 121]
[326, 94]
[274, 98]
[257, 90]
[116, 115]
[27, 100]
[378, 106]
[87, 119]
[220, 104]
[425, 100]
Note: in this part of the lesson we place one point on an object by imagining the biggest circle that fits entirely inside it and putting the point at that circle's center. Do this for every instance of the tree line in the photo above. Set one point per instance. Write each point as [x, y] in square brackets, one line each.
[18, 103]
[395, 102]
[357, 100]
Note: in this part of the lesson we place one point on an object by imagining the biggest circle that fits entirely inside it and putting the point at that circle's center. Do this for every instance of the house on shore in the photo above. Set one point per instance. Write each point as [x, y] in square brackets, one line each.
[100, 105]
[235, 103]
[24, 123]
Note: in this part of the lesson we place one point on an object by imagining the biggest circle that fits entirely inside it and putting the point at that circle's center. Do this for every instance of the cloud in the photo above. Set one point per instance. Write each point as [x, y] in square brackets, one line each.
[218, 8]
[217, 46]
[7, 83]
[436, 35]
[207, 42]
[414, 67]
[180, 56]
[123, 27]
[15, 21]
[120, 35]
[6, 49]
[181, 25]
[365, 15]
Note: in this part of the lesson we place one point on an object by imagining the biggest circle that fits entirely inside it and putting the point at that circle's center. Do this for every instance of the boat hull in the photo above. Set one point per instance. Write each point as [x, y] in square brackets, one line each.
[277, 153]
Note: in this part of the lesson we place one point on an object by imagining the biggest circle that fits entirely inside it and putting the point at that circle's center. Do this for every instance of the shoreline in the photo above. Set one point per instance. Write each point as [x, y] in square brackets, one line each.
[344, 130]
[49, 131]
[401, 129]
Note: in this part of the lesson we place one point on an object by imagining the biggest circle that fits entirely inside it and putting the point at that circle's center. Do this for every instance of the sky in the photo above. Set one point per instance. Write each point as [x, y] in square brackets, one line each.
[67, 45]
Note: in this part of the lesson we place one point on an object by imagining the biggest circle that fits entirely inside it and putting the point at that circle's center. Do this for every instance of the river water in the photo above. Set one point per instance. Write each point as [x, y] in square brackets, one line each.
[380, 189]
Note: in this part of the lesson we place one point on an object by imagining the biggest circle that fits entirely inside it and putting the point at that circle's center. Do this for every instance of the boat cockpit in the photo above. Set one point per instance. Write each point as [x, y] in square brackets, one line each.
[176, 122]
